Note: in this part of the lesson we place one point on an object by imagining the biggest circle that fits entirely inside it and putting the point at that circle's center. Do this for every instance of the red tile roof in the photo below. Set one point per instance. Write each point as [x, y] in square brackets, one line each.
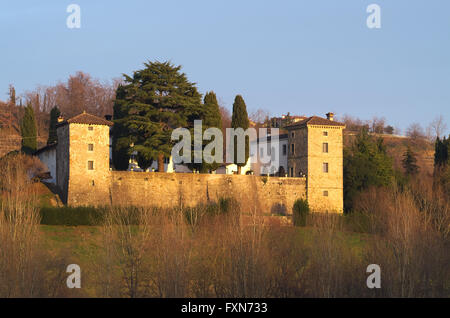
[88, 119]
[314, 120]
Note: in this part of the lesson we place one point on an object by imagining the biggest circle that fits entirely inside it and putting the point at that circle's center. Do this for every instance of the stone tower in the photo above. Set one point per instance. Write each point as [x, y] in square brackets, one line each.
[316, 151]
[82, 160]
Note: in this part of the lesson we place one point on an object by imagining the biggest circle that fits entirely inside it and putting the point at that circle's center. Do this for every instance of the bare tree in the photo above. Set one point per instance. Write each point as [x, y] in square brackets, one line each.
[378, 124]
[80, 92]
[437, 127]
[415, 131]
[354, 124]
[259, 116]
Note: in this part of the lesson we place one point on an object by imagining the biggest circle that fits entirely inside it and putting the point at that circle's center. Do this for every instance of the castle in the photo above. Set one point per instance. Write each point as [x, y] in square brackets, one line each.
[80, 166]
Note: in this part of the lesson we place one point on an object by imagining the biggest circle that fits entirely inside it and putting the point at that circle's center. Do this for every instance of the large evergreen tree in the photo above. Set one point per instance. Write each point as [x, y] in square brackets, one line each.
[29, 131]
[239, 119]
[409, 162]
[366, 164]
[148, 106]
[54, 115]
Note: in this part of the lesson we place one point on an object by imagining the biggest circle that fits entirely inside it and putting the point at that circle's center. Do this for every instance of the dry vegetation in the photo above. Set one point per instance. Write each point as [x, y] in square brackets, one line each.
[206, 252]
[26, 270]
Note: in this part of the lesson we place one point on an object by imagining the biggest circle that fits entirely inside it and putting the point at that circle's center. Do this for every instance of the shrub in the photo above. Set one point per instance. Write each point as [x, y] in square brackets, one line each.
[193, 215]
[69, 216]
[227, 205]
[300, 210]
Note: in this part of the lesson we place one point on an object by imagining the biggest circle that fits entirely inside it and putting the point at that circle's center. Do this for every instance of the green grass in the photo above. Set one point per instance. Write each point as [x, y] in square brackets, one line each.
[83, 242]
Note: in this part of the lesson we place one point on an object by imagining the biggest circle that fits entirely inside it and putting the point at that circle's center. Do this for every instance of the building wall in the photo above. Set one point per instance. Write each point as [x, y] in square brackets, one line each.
[62, 162]
[298, 159]
[49, 159]
[319, 181]
[262, 168]
[101, 186]
[88, 187]
[268, 195]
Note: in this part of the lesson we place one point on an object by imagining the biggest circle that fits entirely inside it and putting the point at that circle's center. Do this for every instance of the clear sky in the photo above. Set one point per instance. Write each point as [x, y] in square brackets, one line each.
[302, 57]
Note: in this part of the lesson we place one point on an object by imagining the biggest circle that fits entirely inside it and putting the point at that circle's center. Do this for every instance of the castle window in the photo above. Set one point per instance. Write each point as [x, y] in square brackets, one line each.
[325, 167]
[90, 165]
[292, 172]
[292, 134]
[284, 150]
[292, 149]
[90, 128]
[91, 147]
[93, 183]
[325, 133]
[325, 147]
[325, 193]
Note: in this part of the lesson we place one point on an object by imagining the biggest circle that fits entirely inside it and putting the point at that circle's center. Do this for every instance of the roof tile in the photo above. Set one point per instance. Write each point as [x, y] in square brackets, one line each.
[88, 119]
[314, 120]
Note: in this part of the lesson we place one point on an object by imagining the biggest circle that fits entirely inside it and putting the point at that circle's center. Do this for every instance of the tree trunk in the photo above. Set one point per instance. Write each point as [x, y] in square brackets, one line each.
[161, 162]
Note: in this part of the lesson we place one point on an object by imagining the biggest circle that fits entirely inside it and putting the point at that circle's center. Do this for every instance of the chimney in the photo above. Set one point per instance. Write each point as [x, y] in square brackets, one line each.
[60, 119]
[108, 117]
[330, 116]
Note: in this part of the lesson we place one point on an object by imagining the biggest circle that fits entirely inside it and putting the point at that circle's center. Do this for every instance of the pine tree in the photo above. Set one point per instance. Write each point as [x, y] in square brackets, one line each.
[54, 115]
[239, 119]
[156, 100]
[441, 152]
[366, 164]
[409, 162]
[29, 131]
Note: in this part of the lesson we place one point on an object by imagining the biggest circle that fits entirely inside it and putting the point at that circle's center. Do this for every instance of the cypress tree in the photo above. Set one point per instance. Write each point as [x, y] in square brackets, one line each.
[441, 152]
[409, 162]
[239, 119]
[156, 100]
[211, 119]
[29, 131]
[54, 115]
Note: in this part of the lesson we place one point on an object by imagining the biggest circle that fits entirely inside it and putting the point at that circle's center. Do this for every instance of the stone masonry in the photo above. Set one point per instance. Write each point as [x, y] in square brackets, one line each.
[84, 176]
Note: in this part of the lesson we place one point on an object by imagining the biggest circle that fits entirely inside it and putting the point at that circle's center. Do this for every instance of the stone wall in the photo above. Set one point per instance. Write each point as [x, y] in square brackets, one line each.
[268, 195]
[320, 181]
[62, 162]
[298, 160]
[88, 187]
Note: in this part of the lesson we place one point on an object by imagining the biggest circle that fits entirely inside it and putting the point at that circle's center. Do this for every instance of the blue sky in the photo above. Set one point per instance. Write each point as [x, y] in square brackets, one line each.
[302, 57]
